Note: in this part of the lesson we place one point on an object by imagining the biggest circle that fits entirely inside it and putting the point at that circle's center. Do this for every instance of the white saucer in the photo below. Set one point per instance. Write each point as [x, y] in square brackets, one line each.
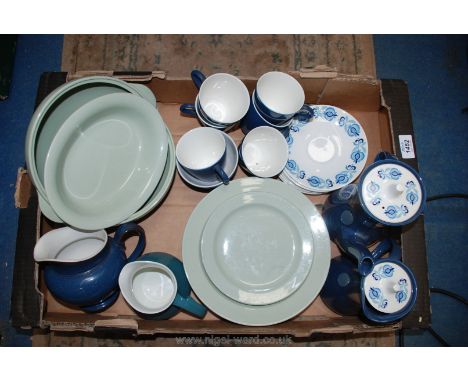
[326, 152]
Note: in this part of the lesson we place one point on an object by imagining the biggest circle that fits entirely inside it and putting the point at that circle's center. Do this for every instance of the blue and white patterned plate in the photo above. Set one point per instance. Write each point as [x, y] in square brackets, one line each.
[388, 287]
[327, 151]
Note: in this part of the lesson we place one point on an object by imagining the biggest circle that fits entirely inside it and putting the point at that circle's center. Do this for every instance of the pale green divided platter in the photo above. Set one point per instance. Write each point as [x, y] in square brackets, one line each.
[55, 109]
[164, 183]
[217, 301]
[105, 161]
[257, 248]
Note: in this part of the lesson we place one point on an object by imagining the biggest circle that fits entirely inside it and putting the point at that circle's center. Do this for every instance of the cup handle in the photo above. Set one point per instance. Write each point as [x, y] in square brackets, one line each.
[189, 109]
[130, 229]
[221, 174]
[305, 113]
[190, 306]
[197, 78]
[384, 155]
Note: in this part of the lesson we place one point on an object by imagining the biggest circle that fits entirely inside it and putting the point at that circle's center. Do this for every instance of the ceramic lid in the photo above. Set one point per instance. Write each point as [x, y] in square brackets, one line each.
[388, 288]
[392, 192]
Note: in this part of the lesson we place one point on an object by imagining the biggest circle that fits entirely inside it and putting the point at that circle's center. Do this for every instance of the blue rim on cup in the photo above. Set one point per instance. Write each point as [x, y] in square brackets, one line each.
[254, 119]
[223, 99]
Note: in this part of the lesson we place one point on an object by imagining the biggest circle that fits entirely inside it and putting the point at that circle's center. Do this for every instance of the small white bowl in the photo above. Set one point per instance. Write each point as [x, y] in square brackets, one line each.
[264, 151]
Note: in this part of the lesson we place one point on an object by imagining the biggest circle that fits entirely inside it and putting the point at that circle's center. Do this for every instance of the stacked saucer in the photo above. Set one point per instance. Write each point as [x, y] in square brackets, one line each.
[326, 151]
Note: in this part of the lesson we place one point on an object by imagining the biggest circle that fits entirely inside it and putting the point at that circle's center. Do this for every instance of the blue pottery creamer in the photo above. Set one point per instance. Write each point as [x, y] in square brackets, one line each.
[82, 268]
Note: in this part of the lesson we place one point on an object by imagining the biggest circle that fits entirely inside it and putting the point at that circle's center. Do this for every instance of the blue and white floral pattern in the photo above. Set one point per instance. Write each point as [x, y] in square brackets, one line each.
[411, 192]
[318, 182]
[373, 188]
[394, 212]
[385, 271]
[292, 167]
[388, 287]
[359, 151]
[329, 113]
[377, 296]
[357, 156]
[344, 177]
[402, 294]
[390, 173]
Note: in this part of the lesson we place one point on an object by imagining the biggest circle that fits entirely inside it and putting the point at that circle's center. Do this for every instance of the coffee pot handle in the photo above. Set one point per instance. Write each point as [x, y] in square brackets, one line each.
[189, 109]
[387, 245]
[131, 229]
[189, 305]
[305, 113]
[382, 155]
[197, 78]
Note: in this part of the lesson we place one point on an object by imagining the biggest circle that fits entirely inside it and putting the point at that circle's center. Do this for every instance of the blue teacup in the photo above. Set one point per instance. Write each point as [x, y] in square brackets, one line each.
[202, 152]
[156, 287]
[254, 119]
[222, 101]
[278, 97]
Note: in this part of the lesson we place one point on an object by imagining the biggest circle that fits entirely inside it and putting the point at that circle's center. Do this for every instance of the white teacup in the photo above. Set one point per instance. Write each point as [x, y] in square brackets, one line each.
[224, 98]
[201, 151]
[278, 96]
[264, 152]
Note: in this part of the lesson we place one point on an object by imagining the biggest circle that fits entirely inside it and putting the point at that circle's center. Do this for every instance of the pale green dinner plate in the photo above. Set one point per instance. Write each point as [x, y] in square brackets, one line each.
[217, 301]
[105, 161]
[257, 248]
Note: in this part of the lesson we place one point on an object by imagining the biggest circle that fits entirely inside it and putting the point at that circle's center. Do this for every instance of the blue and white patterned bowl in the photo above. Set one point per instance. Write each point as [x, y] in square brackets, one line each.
[327, 151]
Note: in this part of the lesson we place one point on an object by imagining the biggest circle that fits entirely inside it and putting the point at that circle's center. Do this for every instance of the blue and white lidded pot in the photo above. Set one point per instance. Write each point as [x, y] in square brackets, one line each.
[391, 192]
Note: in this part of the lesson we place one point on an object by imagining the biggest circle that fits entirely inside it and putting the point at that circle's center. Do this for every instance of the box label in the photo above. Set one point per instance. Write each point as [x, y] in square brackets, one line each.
[407, 147]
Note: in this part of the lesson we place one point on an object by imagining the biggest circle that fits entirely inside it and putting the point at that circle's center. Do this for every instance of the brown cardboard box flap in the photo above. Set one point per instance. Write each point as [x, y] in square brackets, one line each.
[22, 188]
[125, 76]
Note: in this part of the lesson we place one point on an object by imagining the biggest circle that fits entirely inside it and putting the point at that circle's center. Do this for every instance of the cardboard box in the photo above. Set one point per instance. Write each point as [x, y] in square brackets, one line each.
[382, 107]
